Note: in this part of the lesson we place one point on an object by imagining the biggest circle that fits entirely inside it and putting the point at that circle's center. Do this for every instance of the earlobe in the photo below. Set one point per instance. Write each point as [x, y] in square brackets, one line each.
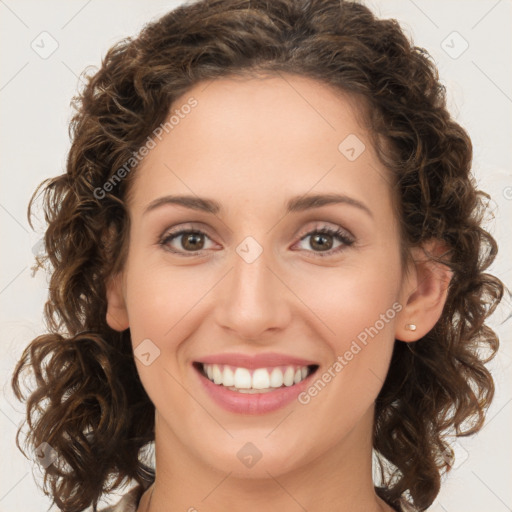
[424, 293]
[117, 315]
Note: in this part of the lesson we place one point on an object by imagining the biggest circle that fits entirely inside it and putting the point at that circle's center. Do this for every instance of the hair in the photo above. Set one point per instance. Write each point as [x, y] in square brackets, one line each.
[89, 404]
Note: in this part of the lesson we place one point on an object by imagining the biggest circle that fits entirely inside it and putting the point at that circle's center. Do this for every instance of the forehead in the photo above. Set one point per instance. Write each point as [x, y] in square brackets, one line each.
[254, 138]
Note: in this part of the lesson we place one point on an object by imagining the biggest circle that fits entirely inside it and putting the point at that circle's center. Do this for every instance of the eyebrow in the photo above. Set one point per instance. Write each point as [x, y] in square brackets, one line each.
[295, 204]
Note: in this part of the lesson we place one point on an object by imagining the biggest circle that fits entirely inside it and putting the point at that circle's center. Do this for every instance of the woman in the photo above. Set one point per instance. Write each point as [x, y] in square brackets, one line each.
[268, 259]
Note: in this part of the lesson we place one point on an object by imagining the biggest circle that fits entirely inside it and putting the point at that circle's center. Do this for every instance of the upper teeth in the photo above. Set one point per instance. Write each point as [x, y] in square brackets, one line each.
[260, 378]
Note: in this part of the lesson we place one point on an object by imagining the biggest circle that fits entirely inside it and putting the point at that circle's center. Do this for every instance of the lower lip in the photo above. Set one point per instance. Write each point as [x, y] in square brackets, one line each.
[253, 403]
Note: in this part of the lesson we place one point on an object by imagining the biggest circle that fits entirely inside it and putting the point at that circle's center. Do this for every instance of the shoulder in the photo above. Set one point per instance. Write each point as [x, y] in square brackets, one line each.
[128, 503]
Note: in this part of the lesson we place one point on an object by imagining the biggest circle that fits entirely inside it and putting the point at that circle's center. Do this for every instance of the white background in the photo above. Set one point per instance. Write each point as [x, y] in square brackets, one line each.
[34, 101]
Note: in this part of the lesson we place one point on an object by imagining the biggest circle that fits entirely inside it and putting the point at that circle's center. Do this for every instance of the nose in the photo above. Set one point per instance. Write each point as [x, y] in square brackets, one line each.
[253, 300]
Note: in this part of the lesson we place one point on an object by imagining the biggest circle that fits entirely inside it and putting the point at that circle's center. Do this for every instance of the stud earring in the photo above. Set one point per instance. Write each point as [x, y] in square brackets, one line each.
[410, 327]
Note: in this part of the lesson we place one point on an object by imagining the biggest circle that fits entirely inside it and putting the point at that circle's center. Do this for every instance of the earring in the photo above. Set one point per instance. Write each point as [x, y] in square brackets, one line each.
[410, 327]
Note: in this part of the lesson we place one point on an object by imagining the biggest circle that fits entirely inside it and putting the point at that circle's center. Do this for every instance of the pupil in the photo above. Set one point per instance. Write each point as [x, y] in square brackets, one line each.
[194, 237]
[321, 245]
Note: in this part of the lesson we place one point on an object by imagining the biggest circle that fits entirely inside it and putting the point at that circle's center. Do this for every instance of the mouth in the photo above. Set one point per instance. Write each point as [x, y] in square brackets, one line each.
[255, 380]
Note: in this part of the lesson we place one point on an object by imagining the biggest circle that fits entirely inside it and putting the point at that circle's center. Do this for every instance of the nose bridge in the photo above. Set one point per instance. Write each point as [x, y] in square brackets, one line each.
[253, 299]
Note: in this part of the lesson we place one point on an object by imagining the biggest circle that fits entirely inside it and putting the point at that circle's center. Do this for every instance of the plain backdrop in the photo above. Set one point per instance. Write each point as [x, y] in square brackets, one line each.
[44, 48]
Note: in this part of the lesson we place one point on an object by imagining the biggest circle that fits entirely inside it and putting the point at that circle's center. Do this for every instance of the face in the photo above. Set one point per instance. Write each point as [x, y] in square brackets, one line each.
[265, 280]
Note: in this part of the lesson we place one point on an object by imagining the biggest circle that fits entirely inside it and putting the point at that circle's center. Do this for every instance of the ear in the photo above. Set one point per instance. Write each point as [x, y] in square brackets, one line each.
[117, 314]
[423, 293]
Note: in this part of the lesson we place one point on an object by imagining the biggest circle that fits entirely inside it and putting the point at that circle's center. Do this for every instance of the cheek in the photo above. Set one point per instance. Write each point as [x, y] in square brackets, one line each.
[350, 299]
[359, 309]
[159, 296]
[158, 301]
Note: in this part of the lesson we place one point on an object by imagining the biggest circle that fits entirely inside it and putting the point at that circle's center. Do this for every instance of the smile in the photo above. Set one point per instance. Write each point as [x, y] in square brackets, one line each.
[258, 380]
[261, 386]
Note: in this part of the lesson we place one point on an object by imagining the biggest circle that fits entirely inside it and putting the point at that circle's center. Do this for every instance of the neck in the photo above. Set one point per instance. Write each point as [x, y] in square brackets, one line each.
[339, 480]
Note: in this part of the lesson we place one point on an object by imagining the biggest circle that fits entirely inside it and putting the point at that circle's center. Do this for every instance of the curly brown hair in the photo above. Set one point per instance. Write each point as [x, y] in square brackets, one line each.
[89, 403]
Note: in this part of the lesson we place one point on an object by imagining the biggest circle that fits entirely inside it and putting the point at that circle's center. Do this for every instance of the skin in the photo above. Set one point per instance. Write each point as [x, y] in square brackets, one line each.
[251, 144]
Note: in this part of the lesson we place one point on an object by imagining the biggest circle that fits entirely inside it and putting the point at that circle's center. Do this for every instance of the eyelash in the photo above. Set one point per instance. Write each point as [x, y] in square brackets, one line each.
[339, 234]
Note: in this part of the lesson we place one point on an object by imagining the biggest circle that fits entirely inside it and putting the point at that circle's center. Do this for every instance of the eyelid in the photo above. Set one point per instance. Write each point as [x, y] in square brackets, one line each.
[319, 225]
[187, 226]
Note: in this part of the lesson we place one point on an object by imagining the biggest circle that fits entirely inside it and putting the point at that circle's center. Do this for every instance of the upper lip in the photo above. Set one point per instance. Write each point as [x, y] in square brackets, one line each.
[264, 360]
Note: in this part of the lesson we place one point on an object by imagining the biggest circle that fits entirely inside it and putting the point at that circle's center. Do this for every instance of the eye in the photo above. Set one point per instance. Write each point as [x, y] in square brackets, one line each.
[192, 240]
[321, 240]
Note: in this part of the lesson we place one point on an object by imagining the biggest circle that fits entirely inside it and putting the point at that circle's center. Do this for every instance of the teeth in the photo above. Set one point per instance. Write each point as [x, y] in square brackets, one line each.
[228, 377]
[276, 378]
[288, 376]
[217, 374]
[242, 378]
[261, 380]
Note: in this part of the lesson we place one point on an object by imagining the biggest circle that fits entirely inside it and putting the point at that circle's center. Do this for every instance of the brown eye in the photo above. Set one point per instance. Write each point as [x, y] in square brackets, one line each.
[322, 240]
[186, 241]
[192, 241]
